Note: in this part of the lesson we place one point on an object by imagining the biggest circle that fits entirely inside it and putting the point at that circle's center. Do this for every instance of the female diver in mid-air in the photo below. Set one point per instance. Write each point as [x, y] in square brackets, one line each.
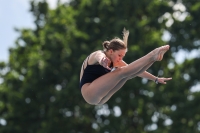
[104, 72]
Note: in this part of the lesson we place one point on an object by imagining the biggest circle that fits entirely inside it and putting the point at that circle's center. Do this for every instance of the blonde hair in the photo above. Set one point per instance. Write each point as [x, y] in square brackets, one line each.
[117, 43]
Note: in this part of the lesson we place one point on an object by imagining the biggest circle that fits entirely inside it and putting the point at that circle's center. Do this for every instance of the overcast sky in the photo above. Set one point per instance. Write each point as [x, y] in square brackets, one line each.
[15, 14]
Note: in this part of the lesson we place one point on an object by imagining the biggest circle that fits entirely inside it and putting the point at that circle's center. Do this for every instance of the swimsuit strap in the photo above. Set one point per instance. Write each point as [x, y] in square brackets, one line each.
[84, 62]
[88, 59]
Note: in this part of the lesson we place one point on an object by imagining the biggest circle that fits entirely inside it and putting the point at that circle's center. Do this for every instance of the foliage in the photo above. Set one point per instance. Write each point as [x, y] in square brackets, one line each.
[40, 83]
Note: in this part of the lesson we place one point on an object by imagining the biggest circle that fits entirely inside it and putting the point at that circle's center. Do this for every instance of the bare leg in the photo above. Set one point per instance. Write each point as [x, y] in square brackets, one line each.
[111, 92]
[99, 88]
[120, 84]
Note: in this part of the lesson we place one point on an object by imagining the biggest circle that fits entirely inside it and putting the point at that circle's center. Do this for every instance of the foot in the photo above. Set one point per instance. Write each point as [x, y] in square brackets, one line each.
[159, 52]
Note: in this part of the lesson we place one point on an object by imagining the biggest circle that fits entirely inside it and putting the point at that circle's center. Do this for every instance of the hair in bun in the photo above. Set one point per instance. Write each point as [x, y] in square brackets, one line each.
[117, 43]
[106, 45]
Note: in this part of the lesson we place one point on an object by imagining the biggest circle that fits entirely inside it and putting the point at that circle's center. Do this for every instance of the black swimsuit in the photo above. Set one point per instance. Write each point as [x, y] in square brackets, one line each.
[92, 72]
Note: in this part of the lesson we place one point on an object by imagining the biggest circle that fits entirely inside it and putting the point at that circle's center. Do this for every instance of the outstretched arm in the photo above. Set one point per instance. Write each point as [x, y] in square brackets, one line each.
[149, 76]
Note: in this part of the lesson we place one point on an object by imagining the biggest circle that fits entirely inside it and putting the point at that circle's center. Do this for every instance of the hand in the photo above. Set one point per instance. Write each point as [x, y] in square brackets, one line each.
[105, 62]
[162, 80]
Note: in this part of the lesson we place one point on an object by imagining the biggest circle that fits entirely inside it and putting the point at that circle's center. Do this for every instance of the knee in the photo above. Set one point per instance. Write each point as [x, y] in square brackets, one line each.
[91, 99]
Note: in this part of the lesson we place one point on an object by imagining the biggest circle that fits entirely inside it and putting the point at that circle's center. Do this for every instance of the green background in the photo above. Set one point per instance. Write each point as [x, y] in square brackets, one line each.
[40, 91]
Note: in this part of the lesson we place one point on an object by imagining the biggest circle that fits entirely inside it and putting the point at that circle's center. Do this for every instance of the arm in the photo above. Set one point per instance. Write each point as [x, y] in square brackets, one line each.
[147, 75]
[153, 78]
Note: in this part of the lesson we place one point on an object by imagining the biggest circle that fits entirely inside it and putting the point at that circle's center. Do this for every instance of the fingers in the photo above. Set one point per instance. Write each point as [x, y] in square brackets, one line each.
[162, 80]
[167, 79]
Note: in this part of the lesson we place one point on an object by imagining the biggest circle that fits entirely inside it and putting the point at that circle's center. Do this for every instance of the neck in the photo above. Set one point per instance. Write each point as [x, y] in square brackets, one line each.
[108, 56]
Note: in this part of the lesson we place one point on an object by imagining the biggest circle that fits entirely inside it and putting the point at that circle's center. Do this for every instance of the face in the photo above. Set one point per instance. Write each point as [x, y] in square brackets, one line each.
[118, 55]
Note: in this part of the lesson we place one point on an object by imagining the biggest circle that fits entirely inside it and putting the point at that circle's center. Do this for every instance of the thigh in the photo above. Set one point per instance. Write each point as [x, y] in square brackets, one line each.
[113, 91]
[100, 87]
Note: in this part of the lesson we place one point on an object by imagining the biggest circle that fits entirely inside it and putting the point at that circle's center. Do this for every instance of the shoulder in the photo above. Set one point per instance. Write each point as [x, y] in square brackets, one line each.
[98, 52]
[92, 56]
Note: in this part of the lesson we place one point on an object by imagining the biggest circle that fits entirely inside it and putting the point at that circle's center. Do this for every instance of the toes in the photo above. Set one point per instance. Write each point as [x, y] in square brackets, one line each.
[160, 52]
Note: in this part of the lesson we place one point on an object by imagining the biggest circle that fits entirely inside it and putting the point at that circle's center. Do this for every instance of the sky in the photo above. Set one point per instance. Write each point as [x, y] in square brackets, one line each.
[15, 14]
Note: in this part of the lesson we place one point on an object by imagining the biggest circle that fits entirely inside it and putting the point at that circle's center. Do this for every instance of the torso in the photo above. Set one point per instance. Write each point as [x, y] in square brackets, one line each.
[91, 70]
[94, 69]
[90, 61]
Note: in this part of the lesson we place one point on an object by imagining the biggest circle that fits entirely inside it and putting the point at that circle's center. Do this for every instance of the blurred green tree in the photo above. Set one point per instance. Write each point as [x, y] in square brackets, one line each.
[40, 83]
